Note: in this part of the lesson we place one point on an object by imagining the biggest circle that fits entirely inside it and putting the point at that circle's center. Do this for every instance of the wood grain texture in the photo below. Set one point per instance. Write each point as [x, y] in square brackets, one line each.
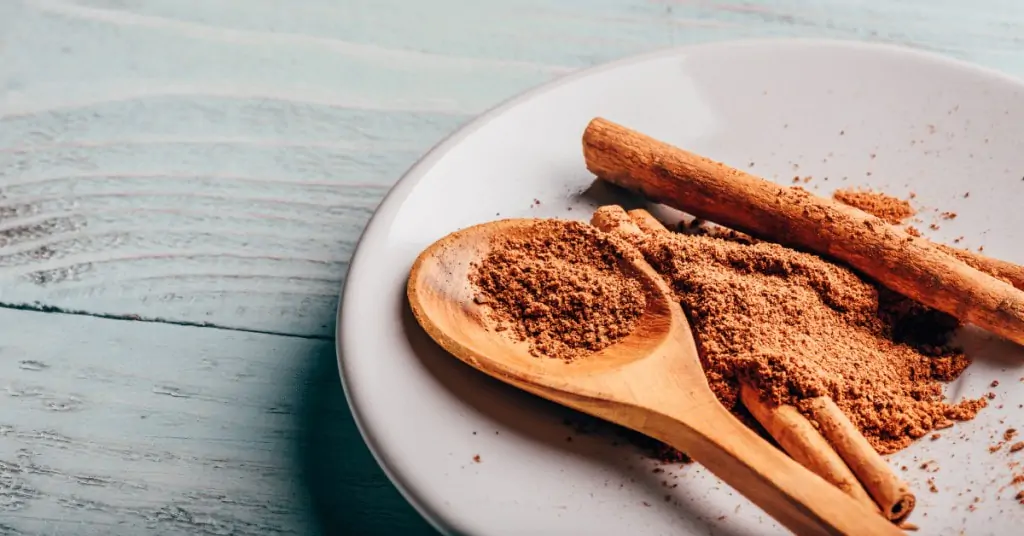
[213, 163]
[132, 427]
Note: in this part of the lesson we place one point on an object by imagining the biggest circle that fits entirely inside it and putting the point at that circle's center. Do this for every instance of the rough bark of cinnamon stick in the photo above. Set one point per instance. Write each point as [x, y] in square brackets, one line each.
[805, 444]
[645, 221]
[613, 219]
[911, 266]
[892, 494]
[1007, 271]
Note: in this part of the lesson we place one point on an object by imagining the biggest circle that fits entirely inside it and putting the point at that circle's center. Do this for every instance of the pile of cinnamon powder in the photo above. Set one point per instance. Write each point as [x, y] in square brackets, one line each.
[884, 206]
[791, 323]
[560, 287]
[797, 326]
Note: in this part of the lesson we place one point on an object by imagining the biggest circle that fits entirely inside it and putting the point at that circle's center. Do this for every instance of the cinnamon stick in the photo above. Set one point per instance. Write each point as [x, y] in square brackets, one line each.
[804, 443]
[892, 494]
[1000, 269]
[911, 266]
[645, 221]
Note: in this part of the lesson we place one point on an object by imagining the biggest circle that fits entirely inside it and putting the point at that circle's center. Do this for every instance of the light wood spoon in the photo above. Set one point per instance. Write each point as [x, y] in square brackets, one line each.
[650, 381]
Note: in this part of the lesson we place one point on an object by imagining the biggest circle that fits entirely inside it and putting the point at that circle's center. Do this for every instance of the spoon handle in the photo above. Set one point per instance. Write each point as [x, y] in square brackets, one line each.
[799, 499]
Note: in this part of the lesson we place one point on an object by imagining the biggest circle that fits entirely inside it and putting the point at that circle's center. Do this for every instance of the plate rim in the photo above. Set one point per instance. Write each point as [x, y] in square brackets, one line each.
[387, 209]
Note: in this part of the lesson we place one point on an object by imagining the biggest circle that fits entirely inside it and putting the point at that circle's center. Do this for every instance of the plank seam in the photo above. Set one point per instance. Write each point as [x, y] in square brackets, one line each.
[51, 309]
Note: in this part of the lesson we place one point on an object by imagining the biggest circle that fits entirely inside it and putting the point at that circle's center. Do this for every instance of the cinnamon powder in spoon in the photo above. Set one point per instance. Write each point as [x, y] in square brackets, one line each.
[559, 286]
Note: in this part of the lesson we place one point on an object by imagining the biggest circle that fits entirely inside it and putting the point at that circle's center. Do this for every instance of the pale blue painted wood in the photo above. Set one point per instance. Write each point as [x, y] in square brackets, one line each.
[213, 163]
[115, 427]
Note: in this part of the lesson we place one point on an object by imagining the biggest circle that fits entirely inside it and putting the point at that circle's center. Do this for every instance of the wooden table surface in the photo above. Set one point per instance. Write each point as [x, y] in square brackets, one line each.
[182, 185]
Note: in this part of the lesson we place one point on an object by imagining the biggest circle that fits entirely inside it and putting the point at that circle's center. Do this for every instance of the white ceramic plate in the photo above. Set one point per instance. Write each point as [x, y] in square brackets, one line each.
[858, 115]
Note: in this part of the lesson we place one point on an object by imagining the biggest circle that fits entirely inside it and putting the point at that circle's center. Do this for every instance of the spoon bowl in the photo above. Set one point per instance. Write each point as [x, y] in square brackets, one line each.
[650, 381]
[442, 301]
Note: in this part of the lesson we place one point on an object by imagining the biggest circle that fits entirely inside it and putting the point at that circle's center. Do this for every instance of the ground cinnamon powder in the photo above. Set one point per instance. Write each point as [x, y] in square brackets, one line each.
[797, 327]
[560, 287]
[884, 206]
[791, 323]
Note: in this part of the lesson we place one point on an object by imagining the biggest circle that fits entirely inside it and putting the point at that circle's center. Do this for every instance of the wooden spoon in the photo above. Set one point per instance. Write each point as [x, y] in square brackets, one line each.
[650, 381]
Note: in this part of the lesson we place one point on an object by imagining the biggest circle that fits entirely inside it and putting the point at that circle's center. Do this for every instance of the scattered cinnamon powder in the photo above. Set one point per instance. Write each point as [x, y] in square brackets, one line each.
[884, 206]
[658, 450]
[559, 286]
[797, 326]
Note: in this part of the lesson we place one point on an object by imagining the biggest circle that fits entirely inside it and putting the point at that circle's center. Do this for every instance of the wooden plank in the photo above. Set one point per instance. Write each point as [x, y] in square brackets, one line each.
[129, 426]
[215, 163]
